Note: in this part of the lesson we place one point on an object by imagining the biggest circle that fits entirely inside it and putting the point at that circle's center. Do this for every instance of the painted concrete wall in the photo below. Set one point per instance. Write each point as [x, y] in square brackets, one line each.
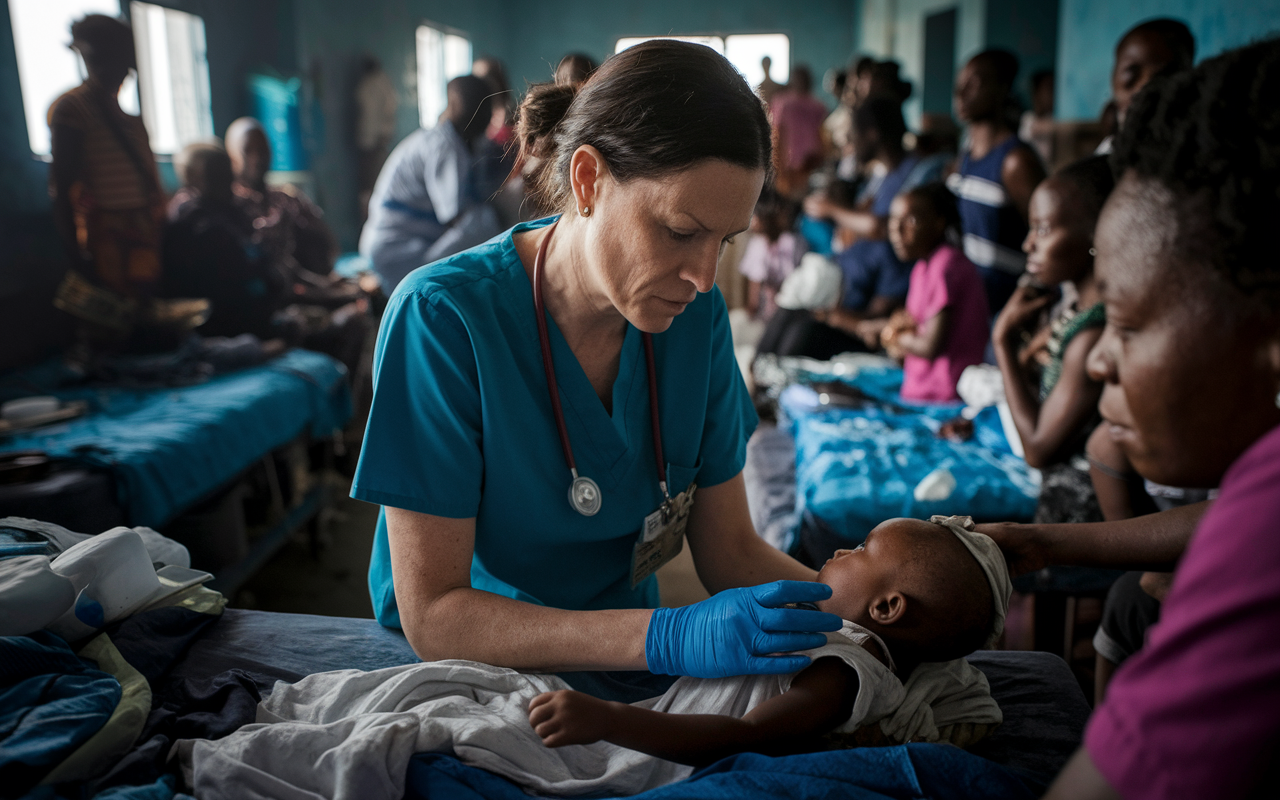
[895, 29]
[1089, 30]
[332, 37]
[821, 31]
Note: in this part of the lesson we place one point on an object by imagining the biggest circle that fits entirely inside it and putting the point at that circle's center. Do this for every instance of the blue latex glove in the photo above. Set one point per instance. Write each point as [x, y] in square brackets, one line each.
[734, 632]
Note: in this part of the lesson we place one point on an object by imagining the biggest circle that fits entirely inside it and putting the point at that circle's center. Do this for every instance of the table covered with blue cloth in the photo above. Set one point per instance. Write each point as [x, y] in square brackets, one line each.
[168, 448]
[859, 463]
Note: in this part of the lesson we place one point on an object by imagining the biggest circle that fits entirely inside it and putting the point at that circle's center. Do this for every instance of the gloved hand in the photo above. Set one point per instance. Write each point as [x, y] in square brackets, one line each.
[734, 632]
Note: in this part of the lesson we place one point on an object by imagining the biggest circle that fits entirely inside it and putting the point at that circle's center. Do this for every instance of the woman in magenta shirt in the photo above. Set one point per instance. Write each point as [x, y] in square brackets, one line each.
[1190, 364]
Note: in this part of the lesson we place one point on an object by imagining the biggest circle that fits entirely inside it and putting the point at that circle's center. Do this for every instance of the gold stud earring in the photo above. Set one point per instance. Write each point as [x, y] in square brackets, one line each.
[586, 211]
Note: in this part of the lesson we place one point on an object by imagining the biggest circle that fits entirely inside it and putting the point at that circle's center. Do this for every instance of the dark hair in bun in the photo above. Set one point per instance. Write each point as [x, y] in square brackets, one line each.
[650, 110]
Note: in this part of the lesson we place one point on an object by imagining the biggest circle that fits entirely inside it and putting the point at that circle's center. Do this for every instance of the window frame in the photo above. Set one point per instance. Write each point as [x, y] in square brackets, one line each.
[430, 108]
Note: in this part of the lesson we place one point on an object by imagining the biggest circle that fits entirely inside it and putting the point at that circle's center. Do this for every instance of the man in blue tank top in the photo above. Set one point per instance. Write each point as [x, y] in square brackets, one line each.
[996, 175]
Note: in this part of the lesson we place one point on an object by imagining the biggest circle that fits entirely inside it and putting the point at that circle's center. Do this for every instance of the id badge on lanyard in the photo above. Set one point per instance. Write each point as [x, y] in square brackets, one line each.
[661, 536]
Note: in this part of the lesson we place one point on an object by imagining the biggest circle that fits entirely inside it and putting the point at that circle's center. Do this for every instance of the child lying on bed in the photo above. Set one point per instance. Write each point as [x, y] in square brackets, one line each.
[914, 595]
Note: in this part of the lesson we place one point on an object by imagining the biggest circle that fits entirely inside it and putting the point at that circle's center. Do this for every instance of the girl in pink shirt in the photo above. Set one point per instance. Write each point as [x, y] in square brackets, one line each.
[944, 327]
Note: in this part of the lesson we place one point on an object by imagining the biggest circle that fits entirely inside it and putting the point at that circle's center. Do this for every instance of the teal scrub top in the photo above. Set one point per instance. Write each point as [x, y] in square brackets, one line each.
[461, 426]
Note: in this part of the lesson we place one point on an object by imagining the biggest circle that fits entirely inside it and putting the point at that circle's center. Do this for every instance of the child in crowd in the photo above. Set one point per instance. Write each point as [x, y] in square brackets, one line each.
[944, 326]
[916, 598]
[772, 254]
[1055, 419]
[913, 593]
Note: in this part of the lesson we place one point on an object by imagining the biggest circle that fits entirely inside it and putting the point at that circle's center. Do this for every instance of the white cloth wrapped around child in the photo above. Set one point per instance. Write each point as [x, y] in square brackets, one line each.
[350, 734]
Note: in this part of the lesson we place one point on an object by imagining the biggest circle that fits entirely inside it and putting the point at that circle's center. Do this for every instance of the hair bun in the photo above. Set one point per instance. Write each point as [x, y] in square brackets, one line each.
[543, 108]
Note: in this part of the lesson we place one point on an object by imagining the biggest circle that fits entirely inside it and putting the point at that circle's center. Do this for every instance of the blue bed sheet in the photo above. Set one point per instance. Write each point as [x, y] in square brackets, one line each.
[907, 772]
[168, 448]
[858, 466]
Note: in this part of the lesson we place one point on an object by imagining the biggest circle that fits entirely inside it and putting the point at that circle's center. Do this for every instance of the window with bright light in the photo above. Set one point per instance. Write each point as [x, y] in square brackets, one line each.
[442, 56]
[745, 52]
[47, 66]
[714, 42]
[173, 76]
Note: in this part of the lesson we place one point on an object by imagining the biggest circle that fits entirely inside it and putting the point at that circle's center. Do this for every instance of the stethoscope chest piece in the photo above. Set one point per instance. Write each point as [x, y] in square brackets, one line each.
[584, 496]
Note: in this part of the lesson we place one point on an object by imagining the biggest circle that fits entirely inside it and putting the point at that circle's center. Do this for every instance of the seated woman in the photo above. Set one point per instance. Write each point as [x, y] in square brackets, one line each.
[208, 250]
[1055, 418]
[944, 326]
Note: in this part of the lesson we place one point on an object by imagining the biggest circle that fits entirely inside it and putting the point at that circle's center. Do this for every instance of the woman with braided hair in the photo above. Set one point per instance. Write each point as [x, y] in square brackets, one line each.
[1190, 366]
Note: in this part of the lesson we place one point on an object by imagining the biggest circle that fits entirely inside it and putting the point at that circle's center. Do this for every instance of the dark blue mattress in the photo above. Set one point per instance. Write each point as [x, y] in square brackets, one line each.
[1044, 709]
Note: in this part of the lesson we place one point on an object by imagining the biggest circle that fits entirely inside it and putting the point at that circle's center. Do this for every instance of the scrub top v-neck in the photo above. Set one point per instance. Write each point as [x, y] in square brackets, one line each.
[461, 426]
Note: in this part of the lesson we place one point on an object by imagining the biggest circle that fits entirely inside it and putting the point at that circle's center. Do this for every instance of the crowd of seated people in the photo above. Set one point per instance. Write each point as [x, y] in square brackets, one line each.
[996, 266]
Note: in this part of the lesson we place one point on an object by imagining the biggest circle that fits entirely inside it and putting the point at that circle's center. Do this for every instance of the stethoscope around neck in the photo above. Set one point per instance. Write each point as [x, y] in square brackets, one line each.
[584, 493]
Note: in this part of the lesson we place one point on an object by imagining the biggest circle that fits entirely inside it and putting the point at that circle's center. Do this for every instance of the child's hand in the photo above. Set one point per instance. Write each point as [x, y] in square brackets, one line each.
[568, 717]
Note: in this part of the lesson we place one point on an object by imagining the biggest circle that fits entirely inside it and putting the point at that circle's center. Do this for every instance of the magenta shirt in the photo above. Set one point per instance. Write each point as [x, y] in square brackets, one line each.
[946, 279]
[1197, 712]
[799, 119]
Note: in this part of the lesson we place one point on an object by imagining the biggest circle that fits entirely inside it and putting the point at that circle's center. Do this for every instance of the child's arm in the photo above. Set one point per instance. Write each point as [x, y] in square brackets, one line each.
[819, 700]
[1045, 429]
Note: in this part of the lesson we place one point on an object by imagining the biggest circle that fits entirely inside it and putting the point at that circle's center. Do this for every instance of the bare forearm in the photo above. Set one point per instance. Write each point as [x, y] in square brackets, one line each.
[750, 562]
[727, 551]
[693, 739]
[1151, 542]
[863, 223]
[482, 626]
[1024, 407]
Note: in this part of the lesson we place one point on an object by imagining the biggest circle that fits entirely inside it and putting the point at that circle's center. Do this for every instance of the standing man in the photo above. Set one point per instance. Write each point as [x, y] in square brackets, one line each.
[428, 202]
[996, 176]
[768, 87]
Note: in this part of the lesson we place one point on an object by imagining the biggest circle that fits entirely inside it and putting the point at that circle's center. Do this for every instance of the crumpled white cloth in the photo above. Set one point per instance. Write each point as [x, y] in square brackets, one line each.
[815, 283]
[94, 581]
[350, 734]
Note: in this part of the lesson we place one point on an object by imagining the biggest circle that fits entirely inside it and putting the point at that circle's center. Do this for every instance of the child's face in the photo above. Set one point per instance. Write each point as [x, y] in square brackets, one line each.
[858, 576]
[1057, 247]
[914, 231]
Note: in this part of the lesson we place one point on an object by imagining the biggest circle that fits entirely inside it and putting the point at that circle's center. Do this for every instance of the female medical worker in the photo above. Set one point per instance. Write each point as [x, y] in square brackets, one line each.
[552, 408]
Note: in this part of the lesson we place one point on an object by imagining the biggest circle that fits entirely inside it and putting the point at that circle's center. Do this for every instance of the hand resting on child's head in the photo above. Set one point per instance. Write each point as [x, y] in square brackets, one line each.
[914, 593]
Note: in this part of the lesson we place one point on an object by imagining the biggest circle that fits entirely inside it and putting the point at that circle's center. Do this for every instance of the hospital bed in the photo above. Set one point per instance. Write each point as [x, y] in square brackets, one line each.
[149, 456]
[1044, 709]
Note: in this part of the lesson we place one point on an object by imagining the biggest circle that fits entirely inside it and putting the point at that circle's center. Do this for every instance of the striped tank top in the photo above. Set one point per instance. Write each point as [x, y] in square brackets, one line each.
[993, 229]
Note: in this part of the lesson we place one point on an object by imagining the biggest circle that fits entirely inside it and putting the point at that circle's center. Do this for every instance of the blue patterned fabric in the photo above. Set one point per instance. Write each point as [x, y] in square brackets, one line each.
[856, 467]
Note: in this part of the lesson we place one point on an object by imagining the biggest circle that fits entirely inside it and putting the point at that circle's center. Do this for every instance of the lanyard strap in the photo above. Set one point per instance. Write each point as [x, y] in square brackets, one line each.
[544, 339]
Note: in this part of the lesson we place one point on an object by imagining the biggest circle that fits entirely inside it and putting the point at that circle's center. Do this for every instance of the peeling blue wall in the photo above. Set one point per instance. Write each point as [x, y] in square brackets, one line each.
[1089, 30]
